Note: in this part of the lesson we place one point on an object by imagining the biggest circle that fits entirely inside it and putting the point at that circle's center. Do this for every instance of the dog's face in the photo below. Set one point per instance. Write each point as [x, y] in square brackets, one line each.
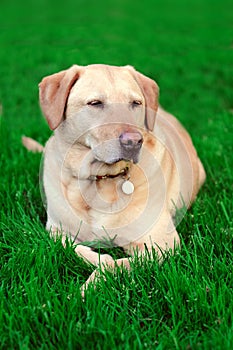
[102, 108]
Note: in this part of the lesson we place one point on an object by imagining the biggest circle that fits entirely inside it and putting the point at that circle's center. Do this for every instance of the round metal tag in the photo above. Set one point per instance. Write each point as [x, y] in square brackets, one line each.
[127, 187]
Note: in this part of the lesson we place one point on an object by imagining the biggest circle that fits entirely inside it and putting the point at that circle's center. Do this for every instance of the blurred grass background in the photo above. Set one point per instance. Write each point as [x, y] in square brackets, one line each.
[187, 47]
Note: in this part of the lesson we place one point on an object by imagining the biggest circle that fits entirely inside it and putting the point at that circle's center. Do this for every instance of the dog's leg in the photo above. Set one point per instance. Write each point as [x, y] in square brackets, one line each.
[97, 273]
[103, 261]
[93, 257]
[161, 238]
[82, 251]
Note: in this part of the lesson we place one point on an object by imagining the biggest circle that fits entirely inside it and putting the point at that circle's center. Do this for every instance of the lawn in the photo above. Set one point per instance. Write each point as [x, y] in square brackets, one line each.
[187, 301]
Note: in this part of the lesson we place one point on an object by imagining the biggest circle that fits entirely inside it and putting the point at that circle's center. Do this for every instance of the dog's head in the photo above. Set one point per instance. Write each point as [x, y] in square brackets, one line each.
[104, 108]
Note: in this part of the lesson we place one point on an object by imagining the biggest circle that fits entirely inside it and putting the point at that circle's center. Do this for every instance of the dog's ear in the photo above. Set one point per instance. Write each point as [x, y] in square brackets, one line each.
[54, 91]
[150, 91]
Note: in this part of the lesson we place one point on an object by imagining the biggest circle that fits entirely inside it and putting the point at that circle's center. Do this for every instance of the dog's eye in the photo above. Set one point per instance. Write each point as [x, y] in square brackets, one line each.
[95, 103]
[136, 103]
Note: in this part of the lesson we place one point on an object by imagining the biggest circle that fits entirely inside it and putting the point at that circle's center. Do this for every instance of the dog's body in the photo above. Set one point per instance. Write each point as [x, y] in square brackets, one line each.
[109, 127]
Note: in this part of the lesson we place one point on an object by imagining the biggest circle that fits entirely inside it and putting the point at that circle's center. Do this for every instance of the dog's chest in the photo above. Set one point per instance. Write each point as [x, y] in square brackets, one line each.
[108, 202]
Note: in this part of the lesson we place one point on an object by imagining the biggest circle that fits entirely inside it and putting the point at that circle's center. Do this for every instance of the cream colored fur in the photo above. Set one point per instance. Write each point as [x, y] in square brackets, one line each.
[86, 143]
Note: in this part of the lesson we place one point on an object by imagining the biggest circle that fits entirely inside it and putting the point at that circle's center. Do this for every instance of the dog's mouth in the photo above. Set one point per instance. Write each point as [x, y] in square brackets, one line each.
[110, 171]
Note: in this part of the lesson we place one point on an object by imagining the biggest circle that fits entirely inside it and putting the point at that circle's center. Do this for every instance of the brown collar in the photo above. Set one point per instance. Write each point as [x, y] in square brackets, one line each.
[123, 173]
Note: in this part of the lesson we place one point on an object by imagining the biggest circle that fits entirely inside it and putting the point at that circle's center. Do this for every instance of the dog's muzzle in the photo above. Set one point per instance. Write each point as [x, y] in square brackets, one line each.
[126, 147]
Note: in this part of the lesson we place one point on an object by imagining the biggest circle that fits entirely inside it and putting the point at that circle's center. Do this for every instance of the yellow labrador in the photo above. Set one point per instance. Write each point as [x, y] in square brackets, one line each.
[118, 166]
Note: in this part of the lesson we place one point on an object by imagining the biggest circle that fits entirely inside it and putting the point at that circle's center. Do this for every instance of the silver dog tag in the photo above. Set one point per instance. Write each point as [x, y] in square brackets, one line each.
[127, 187]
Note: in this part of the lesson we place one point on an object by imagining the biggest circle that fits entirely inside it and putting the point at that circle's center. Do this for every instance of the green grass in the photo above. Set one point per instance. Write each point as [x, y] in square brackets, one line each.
[184, 303]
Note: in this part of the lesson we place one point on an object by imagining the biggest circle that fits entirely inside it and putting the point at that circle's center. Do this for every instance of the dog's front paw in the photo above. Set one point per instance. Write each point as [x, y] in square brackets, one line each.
[98, 273]
[92, 278]
[105, 259]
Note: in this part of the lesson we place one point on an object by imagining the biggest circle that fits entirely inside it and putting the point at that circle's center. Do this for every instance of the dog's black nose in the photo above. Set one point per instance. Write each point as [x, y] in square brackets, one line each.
[131, 140]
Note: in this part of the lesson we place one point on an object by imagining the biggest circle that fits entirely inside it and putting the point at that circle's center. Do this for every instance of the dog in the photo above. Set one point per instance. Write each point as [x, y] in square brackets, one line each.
[118, 166]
